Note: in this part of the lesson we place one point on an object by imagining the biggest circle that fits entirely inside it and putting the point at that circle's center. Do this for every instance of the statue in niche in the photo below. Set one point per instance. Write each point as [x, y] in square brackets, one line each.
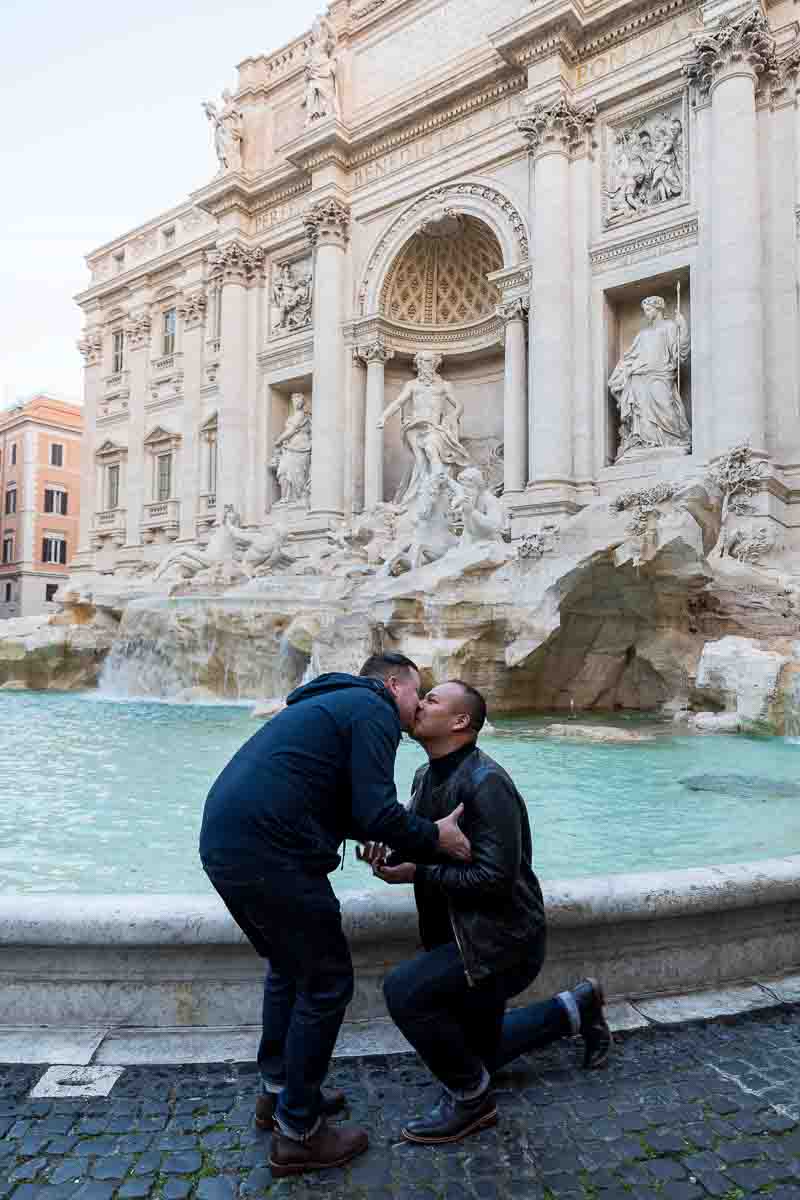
[292, 297]
[321, 97]
[228, 124]
[646, 167]
[645, 385]
[432, 429]
[291, 461]
[481, 511]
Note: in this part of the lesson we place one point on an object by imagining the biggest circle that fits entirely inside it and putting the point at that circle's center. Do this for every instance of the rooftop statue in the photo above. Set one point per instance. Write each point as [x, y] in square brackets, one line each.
[321, 98]
[228, 124]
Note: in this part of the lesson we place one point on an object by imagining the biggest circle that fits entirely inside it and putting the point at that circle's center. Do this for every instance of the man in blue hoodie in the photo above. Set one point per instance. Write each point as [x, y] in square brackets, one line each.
[318, 773]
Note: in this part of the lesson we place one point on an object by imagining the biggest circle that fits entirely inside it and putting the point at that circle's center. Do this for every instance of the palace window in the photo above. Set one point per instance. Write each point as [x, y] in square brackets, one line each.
[113, 486]
[56, 454]
[168, 332]
[13, 454]
[55, 501]
[11, 500]
[9, 593]
[8, 548]
[117, 351]
[50, 590]
[163, 476]
[54, 550]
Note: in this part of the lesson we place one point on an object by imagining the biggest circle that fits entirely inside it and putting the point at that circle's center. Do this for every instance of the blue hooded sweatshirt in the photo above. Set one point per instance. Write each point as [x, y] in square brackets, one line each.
[318, 773]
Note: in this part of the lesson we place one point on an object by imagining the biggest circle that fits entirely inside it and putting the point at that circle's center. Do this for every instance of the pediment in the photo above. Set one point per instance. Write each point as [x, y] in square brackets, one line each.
[159, 434]
[110, 448]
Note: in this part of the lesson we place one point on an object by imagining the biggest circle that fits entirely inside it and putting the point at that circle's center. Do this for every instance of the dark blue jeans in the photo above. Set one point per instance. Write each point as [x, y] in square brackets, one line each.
[295, 922]
[460, 1032]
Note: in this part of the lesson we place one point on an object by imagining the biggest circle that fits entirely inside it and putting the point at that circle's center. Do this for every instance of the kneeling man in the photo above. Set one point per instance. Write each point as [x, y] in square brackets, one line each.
[483, 928]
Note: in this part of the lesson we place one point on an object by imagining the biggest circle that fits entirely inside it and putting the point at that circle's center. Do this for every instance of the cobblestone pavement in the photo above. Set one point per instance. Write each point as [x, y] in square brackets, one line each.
[708, 1110]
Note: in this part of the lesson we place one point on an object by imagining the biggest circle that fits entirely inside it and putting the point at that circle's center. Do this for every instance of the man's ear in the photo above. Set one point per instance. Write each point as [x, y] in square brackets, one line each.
[462, 723]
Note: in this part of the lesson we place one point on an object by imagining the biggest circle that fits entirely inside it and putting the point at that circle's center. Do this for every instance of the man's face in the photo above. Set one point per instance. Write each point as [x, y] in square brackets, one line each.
[405, 688]
[440, 714]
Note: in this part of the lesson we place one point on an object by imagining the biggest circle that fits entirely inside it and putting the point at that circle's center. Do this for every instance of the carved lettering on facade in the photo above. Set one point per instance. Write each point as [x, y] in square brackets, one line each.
[630, 52]
[425, 147]
[279, 214]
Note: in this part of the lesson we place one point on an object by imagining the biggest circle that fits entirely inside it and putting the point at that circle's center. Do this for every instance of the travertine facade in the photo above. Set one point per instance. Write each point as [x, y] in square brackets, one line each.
[584, 217]
[40, 457]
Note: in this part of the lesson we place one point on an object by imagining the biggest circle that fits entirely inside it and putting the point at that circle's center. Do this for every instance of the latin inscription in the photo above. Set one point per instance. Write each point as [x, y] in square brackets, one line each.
[279, 214]
[621, 56]
[431, 144]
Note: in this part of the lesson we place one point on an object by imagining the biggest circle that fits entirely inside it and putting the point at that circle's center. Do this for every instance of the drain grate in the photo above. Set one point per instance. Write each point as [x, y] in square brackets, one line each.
[76, 1081]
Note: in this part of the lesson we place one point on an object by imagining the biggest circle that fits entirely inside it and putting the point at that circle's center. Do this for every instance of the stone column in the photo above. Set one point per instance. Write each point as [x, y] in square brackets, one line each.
[375, 355]
[553, 132]
[137, 350]
[327, 223]
[233, 266]
[192, 312]
[725, 68]
[515, 396]
[91, 347]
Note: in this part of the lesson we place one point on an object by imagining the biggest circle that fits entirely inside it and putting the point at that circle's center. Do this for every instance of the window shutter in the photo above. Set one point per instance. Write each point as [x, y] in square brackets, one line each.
[64, 504]
[62, 552]
[44, 549]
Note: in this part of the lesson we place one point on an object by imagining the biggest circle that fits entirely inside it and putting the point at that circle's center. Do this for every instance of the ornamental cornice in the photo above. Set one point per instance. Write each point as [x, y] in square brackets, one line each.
[374, 351]
[327, 222]
[557, 127]
[408, 339]
[745, 44]
[651, 245]
[235, 263]
[192, 309]
[514, 310]
[91, 347]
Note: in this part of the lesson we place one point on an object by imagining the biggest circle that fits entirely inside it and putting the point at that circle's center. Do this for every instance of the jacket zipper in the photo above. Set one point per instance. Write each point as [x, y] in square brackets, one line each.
[470, 980]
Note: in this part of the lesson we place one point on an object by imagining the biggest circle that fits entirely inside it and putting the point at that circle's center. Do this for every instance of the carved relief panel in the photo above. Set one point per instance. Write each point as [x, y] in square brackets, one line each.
[291, 296]
[646, 160]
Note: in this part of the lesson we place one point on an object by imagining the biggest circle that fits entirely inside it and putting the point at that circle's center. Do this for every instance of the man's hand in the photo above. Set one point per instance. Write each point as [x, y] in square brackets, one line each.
[372, 853]
[451, 840]
[405, 873]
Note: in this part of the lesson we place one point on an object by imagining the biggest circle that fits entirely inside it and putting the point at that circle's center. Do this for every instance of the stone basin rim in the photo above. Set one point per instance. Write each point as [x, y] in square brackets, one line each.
[162, 919]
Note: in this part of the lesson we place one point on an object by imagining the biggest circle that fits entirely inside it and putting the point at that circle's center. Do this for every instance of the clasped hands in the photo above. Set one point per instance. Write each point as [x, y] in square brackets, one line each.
[451, 842]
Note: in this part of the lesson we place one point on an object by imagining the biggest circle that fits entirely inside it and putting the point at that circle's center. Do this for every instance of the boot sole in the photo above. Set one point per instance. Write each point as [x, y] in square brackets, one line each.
[483, 1122]
[601, 998]
[280, 1170]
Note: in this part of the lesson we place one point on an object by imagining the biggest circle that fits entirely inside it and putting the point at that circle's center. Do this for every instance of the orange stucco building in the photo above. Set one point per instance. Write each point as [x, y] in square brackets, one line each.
[40, 449]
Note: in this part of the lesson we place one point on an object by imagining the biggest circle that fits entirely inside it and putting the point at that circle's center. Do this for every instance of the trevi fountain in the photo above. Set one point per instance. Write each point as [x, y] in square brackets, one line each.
[480, 345]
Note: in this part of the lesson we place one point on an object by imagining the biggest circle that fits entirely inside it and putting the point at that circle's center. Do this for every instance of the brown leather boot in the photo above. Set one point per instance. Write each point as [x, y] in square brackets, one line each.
[332, 1102]
[330, 1146]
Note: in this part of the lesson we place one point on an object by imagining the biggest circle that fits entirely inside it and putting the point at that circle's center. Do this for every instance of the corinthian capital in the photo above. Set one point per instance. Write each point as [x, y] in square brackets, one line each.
[91, 347]
[514, 310]
[375, 351]
[234, 263]
[743, 45]
[137, 331]
[327, 222]
[192, 310]
[560, 126]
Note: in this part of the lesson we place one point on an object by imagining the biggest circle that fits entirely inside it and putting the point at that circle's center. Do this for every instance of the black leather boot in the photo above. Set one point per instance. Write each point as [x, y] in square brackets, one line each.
[597, 1039]
[451, 1120]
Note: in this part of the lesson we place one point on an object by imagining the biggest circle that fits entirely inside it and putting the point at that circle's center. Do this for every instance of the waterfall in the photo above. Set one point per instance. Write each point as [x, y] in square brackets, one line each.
[791, 727]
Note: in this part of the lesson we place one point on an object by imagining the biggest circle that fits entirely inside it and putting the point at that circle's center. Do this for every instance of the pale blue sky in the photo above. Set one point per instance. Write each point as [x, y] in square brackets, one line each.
[102, 130]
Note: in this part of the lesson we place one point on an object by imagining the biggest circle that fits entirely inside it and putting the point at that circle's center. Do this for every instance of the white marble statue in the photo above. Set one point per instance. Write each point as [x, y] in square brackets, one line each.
[481, 511]
[321, 98]
[221, 549]
[292, 297]
[228, 124]
[423, 532]
[431, 417]
[292, 458]
[263, 551]
[646, 166]
[645, 385]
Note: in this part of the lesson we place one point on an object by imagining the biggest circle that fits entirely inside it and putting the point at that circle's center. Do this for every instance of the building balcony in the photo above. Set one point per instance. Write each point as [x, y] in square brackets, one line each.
[165, 364]
[206, 512]
[116, 385]
[110, 523]
[161, 516]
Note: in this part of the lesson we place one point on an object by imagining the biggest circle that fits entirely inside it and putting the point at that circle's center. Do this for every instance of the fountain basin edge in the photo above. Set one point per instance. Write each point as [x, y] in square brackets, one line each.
[145, 961]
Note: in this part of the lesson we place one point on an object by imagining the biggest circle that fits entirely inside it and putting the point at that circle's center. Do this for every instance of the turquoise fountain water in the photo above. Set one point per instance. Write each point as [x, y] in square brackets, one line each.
[104, 796]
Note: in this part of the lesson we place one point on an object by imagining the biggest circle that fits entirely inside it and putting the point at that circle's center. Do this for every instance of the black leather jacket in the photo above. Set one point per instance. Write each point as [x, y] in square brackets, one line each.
[495, 902]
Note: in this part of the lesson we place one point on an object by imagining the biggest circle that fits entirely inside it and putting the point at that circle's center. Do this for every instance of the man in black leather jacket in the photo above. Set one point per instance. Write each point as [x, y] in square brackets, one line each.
[482, 924]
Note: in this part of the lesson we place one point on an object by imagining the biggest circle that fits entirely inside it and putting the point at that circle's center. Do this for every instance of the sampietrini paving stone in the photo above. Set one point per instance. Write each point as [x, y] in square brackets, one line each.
[706, 1110]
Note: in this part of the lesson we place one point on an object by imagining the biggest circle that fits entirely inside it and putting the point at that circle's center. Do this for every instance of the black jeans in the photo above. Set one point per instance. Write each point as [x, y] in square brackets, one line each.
[295, 922]
[460, 1032]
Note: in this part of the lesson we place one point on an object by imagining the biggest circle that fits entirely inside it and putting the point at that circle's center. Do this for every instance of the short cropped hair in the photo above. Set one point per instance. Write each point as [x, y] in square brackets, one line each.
[382, 666]
[474, 704]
